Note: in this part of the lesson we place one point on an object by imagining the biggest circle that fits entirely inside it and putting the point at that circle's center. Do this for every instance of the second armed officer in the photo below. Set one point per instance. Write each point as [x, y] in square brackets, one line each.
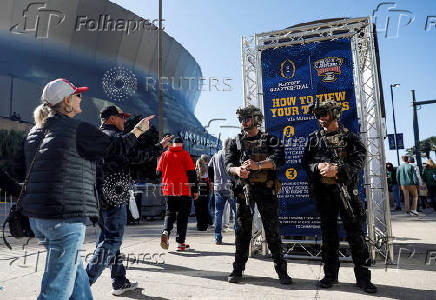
[333, 159]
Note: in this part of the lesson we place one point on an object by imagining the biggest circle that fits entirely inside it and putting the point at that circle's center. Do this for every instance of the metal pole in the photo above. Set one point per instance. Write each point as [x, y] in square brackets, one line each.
[395, 126]
[416, 132]
[11, 95]
[159, 72]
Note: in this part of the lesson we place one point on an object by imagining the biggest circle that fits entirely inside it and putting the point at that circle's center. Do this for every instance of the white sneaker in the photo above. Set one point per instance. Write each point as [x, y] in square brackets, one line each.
[164, 243]
[414, 212]
[128, 286]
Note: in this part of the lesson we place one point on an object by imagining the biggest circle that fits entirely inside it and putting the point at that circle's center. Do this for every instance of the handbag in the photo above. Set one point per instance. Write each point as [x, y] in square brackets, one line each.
[423, 191]
[19, 225]
[132, 205]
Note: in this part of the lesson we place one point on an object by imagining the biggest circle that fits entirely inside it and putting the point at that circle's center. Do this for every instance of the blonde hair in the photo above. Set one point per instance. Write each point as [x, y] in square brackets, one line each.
[430, 164]
[205, 158]
[200, 167]
[44, 111]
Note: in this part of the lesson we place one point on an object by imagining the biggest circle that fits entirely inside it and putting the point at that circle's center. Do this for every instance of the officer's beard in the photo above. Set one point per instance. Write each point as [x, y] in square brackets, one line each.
[248, 128]
[325, 124]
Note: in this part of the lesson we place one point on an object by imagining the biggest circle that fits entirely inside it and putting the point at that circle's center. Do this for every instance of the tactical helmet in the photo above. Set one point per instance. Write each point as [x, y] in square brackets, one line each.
[252, 112]
[332, 107]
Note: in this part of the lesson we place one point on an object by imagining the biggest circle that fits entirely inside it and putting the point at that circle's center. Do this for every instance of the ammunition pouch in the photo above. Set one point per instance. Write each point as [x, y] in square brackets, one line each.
[328, 180]
[258, 177]
[275, 185]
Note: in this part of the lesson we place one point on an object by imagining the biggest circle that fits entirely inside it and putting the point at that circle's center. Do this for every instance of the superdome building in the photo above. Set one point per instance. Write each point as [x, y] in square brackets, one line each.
[105, 47]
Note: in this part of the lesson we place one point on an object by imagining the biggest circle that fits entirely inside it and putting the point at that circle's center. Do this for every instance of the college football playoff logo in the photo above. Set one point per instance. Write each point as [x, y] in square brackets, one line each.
[287, 69]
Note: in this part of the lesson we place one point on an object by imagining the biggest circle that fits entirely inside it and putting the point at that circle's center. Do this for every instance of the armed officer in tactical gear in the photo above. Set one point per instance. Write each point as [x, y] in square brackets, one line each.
[333, 158]
[253, 158]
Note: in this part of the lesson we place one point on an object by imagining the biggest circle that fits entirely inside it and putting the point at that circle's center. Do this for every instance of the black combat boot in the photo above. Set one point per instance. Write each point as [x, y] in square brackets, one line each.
[331, 271]
[283, 274]
[363, 280]
[328, 281]
[235, 276]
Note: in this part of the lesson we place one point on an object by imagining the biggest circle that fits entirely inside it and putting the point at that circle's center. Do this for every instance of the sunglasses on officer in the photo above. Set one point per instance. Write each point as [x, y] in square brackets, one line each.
[320, 114]
[243, 119]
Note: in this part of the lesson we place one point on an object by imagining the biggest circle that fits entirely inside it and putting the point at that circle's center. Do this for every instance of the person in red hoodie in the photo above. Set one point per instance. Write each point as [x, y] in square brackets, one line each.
[179, 183]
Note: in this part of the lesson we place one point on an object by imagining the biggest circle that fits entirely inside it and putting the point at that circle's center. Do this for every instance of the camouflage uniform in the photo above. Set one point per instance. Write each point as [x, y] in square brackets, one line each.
[261, 185]
[326, 193]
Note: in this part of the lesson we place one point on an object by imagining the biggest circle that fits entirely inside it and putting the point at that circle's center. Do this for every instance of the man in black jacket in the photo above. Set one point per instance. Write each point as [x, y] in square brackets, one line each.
[113, 214]
[333, 158]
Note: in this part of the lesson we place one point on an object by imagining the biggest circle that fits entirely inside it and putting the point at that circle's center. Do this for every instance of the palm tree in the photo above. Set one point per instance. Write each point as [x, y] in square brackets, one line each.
[12, 153]
[425, 146]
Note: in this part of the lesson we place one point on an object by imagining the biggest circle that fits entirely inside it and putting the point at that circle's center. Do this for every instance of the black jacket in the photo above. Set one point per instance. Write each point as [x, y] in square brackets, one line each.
[62, 182]
[120, 163]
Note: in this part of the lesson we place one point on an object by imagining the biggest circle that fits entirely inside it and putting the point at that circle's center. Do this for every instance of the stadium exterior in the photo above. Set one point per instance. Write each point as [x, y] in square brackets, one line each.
[105, 47]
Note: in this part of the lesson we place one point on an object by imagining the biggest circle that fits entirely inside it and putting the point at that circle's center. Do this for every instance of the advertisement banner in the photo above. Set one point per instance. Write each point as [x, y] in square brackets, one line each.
[391, 140]
[292, 78]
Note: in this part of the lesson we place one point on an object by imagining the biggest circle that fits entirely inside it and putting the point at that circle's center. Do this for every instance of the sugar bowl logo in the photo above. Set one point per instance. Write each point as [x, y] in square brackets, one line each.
[287, 69]
[329, 68]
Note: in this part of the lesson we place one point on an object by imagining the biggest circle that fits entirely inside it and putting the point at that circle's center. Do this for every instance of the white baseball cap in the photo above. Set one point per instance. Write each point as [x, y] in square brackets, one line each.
[55, 91]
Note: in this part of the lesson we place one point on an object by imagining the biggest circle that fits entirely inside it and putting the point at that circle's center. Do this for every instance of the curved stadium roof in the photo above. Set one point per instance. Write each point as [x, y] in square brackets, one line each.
[69, 39]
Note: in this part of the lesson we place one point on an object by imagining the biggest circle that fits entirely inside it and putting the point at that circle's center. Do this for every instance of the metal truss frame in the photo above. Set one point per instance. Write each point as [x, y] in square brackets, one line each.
[367, 89]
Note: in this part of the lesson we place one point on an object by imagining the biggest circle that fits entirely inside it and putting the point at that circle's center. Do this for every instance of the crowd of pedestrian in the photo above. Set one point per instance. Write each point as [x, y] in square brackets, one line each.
[77, 171]
[406, 184]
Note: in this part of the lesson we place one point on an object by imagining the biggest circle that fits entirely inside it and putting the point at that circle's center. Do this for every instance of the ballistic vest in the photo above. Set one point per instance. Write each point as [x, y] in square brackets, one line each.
[256, 150]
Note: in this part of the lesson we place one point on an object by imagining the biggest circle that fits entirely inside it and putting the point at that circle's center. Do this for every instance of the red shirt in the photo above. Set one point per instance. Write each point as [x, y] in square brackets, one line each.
[174, 163]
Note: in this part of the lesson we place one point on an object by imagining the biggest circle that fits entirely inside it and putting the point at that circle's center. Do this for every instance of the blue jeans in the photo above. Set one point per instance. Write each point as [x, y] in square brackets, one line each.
[396, 192]
[220, 202]
[64, 276]
[210, 205]
[107, 253]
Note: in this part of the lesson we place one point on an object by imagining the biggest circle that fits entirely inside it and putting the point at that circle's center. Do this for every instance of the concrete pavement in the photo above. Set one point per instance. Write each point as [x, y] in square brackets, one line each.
[201, 273]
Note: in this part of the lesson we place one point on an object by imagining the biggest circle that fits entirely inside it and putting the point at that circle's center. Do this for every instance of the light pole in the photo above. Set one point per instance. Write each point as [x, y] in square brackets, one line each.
[393, 117]
[416, 127]
[159, 72]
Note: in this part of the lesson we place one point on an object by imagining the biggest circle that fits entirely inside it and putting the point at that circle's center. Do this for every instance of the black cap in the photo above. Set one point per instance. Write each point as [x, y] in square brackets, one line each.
[112, 110]
[178, 140]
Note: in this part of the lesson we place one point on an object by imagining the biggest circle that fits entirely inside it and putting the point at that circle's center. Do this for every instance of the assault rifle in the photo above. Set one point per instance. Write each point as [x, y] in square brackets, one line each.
[343, 190]
[246, 188]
